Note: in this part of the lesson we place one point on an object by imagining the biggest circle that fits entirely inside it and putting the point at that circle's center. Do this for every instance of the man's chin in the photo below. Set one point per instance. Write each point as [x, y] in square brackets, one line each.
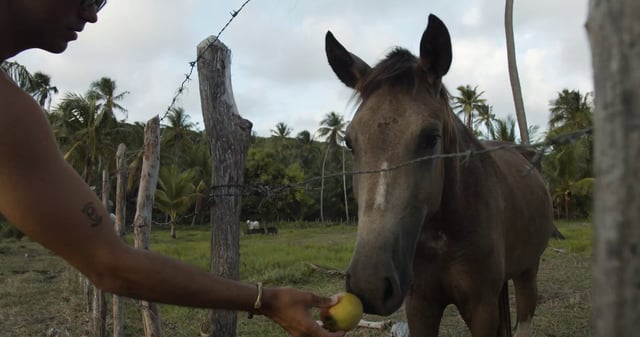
[57, 48]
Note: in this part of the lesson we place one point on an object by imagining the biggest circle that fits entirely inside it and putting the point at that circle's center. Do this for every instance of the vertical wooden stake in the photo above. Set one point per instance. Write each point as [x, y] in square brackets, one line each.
[229, 137]
[121, 189]
[142, 220]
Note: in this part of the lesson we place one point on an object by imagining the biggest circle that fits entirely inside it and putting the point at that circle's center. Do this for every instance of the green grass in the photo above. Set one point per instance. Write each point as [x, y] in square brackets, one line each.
[38, 292]
[579, 238]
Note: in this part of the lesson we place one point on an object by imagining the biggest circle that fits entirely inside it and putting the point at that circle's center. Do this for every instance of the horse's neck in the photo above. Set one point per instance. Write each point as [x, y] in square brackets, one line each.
[466, 176]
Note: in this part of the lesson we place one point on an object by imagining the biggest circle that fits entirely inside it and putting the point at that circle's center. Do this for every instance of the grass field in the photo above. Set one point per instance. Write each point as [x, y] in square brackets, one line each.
[38, 292]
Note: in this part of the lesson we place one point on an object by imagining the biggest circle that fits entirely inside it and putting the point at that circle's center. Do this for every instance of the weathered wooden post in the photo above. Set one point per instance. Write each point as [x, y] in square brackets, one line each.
[229, 137]
[614, 33]
[142, 220]
[99, 312]
[121, 189]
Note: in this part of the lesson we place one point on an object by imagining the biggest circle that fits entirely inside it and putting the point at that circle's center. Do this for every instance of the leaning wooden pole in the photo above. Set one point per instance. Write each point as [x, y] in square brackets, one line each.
[229, 138]
[142, 220]
[121, 203]
[614, 33]
[514, 78]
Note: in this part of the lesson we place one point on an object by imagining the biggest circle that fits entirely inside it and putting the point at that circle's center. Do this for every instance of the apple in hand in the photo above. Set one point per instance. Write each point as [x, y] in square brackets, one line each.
[344, 315]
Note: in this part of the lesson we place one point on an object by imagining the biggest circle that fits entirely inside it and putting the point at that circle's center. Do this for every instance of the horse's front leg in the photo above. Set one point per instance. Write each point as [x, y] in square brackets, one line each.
[424, 314]
[481, 316]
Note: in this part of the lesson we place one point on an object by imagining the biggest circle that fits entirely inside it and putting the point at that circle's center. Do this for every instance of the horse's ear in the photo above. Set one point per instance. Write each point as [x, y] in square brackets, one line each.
[435, 48]
[349, 68]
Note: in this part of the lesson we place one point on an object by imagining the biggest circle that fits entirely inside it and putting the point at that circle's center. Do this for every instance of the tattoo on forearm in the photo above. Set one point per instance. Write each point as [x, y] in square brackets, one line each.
[90, 211]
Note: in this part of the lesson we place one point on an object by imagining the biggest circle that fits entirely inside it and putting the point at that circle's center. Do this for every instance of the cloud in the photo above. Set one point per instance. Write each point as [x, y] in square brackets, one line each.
[279, 70]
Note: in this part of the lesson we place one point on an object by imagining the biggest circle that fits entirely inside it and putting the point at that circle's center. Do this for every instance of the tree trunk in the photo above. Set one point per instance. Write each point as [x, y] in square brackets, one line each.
[144, 208]
[121, 203]
[229, 137]
[614, 31]
[324, 161]
[196, 211]
[513, 73]
[172, 224]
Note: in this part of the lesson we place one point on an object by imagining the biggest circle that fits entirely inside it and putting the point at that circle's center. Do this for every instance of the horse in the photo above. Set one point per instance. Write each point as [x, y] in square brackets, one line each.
[450, 230]
[253, 225]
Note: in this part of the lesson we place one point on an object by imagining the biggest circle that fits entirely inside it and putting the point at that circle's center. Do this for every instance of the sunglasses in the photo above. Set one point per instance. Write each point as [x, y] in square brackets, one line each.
[98, 3]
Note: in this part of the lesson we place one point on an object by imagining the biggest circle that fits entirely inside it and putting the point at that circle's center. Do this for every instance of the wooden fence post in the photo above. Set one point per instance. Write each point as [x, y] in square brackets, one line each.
[614, 33]
[121, 203]
[142, 220]
[99, 312]
[229, 137]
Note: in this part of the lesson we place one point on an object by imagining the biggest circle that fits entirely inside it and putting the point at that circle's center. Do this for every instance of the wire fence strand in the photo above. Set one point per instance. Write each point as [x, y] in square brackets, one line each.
[192, 64]
[266, 192]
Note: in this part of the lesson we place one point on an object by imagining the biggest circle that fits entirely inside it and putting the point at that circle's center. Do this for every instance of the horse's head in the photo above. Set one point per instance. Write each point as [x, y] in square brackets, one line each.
[404, 114]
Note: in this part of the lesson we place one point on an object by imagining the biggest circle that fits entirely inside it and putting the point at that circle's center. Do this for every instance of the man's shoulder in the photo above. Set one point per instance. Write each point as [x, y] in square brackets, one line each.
[23, 124]
[11, 94]
[15, 102]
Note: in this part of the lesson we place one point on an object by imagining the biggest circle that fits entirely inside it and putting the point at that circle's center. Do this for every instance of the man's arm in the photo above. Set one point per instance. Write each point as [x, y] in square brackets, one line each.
[45, 198]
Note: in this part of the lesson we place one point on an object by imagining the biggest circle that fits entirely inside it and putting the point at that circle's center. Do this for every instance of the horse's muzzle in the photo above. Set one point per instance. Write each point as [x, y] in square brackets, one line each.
[380, 294]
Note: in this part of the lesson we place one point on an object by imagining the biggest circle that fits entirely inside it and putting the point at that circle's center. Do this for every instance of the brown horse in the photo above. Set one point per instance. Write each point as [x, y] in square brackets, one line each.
[441, 231]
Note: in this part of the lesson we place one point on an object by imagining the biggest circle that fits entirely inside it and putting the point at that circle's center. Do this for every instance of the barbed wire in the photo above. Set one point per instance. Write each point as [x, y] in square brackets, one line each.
[193, 63]
[540, 149]
[266, 192]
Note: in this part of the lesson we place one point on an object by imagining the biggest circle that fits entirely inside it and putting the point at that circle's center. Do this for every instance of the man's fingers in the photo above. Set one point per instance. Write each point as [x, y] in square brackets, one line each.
[324, 302]
[319, 331]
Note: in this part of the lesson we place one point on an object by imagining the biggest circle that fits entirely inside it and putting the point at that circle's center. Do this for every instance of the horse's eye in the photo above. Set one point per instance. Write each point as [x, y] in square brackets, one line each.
[430, 140]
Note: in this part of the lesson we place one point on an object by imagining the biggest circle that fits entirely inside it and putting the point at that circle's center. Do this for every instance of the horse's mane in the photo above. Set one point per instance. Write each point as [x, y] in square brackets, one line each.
[400, 69]
[397, 69]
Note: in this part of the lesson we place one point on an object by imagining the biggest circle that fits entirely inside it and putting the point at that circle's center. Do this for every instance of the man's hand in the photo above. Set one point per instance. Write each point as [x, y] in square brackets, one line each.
[292, 309]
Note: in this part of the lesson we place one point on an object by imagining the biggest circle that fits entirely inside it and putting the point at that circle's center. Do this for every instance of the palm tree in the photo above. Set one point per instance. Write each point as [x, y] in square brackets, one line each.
[467, 102]
[134, 138]
[332, 128]
[568, 167]
[513, 73]
[176, 134]
[103, 91]
[571, 111]
[18, 73]
[199, 160]
[282, 130]
[87, 134]
[307, 148]
[486, 117]
[175, 194]
[41, 89]
[37, 85]
[504, 129]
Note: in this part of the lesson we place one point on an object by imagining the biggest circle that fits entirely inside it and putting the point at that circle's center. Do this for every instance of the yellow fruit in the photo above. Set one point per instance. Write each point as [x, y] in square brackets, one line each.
[344, 315]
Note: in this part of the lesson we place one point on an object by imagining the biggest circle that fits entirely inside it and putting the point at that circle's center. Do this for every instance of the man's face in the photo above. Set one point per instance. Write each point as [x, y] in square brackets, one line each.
[51, 24]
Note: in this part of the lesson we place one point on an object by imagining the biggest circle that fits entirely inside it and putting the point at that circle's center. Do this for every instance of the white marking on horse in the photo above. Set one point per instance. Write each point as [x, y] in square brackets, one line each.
[524, 328]
[381, 191]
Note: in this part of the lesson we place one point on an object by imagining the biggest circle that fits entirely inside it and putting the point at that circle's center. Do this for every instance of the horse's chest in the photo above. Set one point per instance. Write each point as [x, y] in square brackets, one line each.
[439, 253]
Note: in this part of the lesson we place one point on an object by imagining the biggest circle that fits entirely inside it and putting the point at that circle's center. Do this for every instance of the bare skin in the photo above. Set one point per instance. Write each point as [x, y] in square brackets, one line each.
[43, 196]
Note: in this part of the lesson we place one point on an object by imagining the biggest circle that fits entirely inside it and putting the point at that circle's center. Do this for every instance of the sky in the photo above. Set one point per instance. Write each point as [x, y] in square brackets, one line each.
[278, 65]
